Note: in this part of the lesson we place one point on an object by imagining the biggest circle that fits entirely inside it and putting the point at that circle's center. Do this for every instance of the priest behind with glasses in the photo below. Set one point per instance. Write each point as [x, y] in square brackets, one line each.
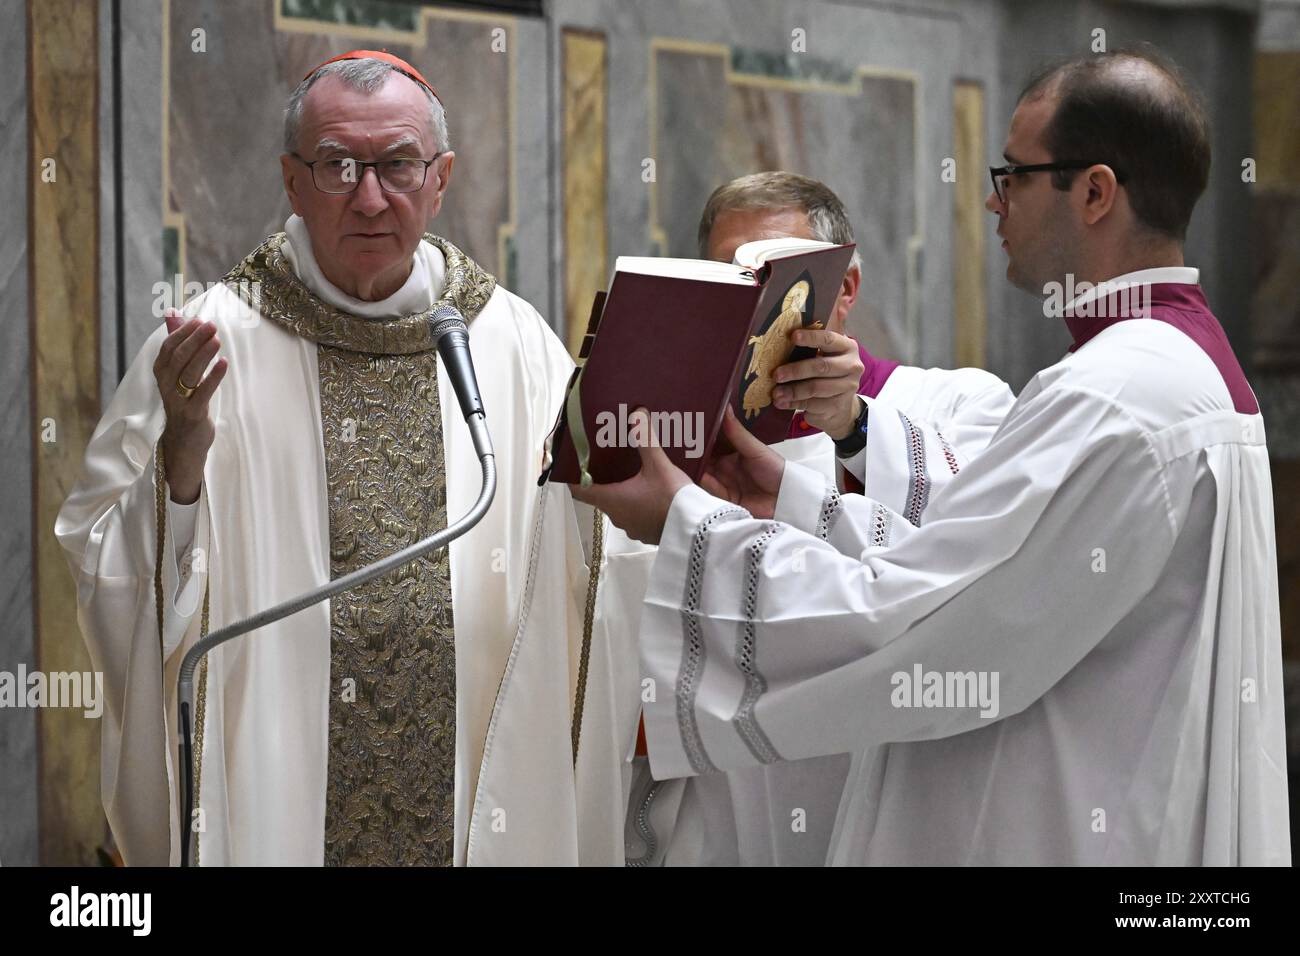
[292, 426]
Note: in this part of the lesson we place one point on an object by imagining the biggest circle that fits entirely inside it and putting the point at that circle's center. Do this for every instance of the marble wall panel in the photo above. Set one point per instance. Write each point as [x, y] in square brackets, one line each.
[970, 294]
[18, 763]
[65, 388]
[710, 90]
[1275, 201]
[586, 134]
[716, 120]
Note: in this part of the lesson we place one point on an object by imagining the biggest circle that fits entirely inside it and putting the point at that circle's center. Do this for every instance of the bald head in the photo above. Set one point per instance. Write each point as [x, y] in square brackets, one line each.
[1133, 111]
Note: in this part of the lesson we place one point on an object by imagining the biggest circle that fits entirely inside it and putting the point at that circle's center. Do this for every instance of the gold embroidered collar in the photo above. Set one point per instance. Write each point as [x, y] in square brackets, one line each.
[268, 284]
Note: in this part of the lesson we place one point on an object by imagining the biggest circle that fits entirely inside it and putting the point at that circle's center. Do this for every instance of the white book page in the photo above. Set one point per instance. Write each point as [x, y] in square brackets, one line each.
[752, 255]
[703, 269]
[749, 259]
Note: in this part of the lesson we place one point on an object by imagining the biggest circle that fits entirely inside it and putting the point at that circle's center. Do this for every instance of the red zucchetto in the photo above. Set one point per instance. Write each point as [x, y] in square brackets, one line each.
[388, 58]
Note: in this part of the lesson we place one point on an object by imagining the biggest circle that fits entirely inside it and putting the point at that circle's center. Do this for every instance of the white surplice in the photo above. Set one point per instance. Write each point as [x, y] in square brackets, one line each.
[776, 814]
[1109, 558]
[263, 523]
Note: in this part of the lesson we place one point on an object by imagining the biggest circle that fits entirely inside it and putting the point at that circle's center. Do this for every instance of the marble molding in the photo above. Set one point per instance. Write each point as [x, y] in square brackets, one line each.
[140, 37]
[586, 254]
[970, 222]
[1275, 202]
[63, 96]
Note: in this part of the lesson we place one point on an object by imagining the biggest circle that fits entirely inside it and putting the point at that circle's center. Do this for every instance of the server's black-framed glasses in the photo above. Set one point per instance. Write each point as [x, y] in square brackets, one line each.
[342, 174]
[1000, 174]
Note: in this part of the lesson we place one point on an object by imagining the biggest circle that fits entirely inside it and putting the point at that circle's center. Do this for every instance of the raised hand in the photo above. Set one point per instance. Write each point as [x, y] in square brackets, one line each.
[185, 392]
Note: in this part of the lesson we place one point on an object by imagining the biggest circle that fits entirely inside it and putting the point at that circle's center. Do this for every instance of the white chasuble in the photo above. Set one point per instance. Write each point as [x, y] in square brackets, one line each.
[424, 717]
[1074, 659]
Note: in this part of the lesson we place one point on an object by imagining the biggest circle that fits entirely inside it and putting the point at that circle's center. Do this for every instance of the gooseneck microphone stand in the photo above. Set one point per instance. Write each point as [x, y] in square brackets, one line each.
[450, 333]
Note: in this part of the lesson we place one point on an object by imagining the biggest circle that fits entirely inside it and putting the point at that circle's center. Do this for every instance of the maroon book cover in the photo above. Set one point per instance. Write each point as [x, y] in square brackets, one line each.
[684, 349]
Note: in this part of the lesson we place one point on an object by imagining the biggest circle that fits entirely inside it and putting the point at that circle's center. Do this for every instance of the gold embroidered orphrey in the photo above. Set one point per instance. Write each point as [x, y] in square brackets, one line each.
[392, 707]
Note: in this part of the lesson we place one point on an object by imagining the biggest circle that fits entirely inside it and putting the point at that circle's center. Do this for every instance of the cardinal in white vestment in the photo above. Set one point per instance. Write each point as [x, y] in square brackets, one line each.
[781, 813]
[1069, 651]
[421, 718]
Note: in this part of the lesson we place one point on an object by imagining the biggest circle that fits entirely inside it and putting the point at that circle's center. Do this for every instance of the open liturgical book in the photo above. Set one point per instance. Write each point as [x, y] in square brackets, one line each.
[684, 338]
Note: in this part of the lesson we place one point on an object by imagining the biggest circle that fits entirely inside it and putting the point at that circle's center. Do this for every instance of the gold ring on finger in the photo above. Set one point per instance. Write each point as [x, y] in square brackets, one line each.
[185, 390]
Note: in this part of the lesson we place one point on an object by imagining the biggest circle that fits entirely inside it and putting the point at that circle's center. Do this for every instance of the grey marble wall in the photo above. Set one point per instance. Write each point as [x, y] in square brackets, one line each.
[534, 279]
[1278, 206]
[996, 43]
[141, 252]
[1279, 25]
[924, 40]
[18, 835]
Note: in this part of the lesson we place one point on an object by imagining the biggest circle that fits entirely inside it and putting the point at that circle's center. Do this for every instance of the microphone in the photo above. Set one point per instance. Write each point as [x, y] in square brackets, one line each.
[451, 338]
